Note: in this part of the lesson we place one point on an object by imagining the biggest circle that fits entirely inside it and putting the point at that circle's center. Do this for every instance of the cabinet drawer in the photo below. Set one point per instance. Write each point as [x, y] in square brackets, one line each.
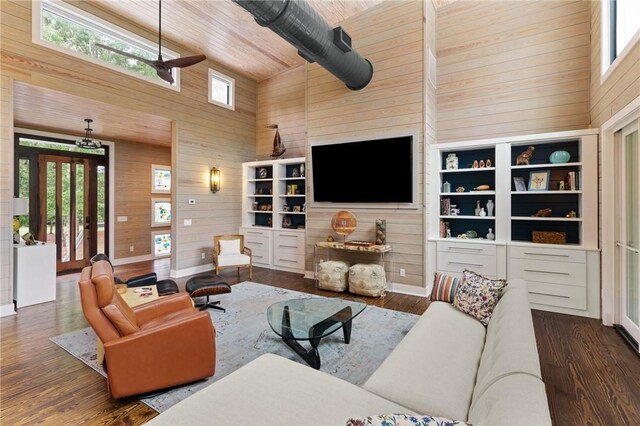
[258, 245]
[571, 274]
[289, 242]
[471, 249]
[552, 254]
[288, 260]
[456, 262]
[564, 296]
[255, 232]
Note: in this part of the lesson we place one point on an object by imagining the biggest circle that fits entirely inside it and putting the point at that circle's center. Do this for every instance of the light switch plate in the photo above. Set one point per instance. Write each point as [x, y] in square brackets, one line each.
[122, 218]
[187, 222]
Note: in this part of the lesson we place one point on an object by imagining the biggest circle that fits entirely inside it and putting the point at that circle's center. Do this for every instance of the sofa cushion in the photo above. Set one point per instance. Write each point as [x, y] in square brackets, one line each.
[433, 369]
[478, 295]
[518, 399]
[333, 275]
[367, 280]
[444, 287]
[510, 346]
[403, 420]
[230, 246]
[272, 390]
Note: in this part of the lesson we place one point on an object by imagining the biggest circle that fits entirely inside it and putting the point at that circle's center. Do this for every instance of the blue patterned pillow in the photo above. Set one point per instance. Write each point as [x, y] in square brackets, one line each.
[478, 295]
[403, 420]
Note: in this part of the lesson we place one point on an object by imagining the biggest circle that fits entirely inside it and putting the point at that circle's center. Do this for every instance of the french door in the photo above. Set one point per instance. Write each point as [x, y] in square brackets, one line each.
[628, 238]
[64, 214]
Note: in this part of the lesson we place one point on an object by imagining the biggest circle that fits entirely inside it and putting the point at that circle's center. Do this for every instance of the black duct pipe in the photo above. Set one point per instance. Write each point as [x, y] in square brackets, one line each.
[296, 22]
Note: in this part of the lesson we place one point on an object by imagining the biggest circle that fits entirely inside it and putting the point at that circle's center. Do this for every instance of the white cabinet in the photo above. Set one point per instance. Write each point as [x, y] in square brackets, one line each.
[274, 213]
[34, 274]
[543, 201]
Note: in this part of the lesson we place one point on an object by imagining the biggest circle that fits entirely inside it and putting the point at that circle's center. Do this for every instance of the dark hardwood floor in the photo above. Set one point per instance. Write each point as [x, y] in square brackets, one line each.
[592, 376]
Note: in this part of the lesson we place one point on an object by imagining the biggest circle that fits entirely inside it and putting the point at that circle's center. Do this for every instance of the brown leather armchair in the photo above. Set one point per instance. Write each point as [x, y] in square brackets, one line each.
[163, 343]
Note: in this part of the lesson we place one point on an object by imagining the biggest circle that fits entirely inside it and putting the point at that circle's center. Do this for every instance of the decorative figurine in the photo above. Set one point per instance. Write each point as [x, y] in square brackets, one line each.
[482, 188]
[524, 157]
[543, 213]
[448, 233]
[481, 164]
[295, 172]
[302, 170]
[488, 163]
[330, 239]
[278, 146]
[561, 185]
[572, 214]
[460, 189]
[475, 164]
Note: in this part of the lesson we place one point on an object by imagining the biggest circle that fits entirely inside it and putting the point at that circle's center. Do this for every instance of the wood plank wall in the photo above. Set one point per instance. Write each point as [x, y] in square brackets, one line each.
[512, 67]
[205, 135]
[390, 35]
[133, 196]
[281, 102]
[6, 189]
[621, 86]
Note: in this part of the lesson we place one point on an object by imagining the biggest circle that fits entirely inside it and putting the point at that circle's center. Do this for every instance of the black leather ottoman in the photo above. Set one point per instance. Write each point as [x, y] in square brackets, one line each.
[205, 286]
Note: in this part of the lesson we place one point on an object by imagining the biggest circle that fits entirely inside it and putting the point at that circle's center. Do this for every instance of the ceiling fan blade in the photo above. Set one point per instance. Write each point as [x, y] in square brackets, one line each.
[187, 61]
[128, 55]
[165, 74]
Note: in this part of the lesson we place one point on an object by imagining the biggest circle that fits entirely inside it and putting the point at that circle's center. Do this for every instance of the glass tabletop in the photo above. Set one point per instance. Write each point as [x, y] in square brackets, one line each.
[312, 318]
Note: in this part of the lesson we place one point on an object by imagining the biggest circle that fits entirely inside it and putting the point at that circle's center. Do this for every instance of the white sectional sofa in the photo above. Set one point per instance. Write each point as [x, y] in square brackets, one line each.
[448, 365]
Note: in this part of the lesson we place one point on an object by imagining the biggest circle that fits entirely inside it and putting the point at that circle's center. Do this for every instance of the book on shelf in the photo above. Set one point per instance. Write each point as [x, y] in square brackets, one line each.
[570, 181]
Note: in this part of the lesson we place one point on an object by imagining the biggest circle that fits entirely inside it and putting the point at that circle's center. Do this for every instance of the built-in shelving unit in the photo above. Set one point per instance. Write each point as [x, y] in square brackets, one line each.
[274, 212]
[555, 201]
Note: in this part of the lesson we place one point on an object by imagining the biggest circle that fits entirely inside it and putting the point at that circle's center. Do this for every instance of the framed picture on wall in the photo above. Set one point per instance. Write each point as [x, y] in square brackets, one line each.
[519, 184]
[160, 212]
[161, 243]
[160, 179]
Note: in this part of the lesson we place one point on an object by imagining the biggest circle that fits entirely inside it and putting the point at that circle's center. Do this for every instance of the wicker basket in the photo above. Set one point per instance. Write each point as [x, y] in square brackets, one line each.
[549, 237]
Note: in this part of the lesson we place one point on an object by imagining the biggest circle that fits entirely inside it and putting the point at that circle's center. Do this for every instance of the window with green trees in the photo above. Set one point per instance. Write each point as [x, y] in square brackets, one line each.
[77, 32]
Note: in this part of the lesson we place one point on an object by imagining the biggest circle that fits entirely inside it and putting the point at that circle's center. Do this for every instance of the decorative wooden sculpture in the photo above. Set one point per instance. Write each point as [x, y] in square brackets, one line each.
[524, 157]
[543, 213]
[278, 146]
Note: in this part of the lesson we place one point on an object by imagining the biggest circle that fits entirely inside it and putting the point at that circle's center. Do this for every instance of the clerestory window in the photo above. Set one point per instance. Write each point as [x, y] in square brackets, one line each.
[73, 31]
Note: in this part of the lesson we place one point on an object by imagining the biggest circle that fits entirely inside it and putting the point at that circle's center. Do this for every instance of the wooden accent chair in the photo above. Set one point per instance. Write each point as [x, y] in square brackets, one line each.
[160, 344]
[229, 252]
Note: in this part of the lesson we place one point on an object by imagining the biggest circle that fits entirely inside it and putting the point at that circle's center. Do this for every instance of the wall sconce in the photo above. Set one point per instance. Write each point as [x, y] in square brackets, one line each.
[215, 179]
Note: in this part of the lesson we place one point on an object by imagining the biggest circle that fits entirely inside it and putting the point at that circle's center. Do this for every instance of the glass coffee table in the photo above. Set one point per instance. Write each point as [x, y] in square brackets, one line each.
[312, 319]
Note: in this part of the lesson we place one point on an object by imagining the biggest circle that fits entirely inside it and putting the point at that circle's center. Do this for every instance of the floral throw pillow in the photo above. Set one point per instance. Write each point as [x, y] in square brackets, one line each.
[478, 295]
[403, 420]
[444, 287]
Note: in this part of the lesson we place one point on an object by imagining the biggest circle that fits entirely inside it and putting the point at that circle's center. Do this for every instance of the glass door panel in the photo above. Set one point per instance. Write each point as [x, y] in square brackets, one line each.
[629, 242]
[101, 209]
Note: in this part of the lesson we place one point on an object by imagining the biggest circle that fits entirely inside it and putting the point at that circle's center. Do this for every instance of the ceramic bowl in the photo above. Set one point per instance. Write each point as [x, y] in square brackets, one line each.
[559, 157]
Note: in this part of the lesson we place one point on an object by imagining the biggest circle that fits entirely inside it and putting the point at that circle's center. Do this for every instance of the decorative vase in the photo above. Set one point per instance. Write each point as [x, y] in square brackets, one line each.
[446, 187]
[490, 208]
[482, 212]
[477, 211]
[490, 235]
[559, 157]
[302, 170]
[452, 162]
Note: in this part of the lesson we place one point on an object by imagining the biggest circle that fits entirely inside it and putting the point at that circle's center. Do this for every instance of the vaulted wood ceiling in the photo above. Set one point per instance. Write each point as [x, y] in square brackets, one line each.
[225, 32]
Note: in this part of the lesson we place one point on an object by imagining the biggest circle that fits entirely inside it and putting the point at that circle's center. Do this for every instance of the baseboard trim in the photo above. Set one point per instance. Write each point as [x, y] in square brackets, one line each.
[133, 259]
[179, 273]
[7, 310]
[408, 289]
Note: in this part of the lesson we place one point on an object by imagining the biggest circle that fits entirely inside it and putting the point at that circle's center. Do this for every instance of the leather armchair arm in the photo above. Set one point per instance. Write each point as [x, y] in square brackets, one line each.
[164, 305]
[142, 280]
[171, 354]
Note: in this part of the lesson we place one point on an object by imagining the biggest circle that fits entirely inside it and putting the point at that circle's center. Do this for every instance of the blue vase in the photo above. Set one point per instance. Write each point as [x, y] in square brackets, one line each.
[559, 157]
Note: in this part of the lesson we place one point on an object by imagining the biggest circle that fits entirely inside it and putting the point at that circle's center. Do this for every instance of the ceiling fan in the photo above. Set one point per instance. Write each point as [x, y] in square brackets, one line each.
[162, 67]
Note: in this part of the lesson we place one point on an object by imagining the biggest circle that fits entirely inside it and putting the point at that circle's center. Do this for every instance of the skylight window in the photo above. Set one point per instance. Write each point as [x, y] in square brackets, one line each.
[70, 30]
[221, 90]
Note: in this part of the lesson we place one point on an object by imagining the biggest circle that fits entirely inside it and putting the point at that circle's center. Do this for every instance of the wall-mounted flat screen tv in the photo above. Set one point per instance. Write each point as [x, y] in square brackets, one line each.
[367, 171]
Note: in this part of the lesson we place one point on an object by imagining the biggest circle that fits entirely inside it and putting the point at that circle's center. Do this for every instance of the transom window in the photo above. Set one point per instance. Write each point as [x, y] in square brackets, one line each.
[620, 29]
[73, 31]
[221, 89]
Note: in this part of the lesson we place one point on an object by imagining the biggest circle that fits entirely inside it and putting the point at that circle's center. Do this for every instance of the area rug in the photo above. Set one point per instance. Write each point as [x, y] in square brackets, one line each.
[243, 334]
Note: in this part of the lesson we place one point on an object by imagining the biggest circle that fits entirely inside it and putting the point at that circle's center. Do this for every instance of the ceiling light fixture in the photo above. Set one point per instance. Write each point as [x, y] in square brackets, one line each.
[88, 141]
